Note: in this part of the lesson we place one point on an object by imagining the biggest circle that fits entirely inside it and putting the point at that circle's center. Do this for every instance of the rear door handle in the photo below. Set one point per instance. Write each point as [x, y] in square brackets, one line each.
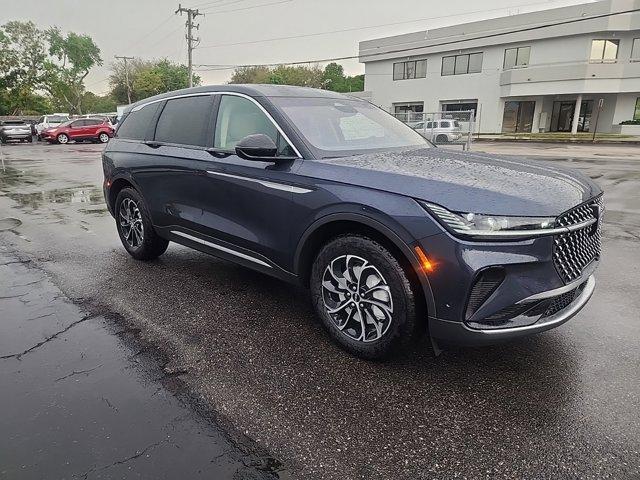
[153, 144]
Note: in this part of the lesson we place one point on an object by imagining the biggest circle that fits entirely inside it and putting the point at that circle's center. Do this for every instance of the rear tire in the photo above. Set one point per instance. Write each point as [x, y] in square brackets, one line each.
[363, 297]
[442, 139]
[103, 138]
[135, 228]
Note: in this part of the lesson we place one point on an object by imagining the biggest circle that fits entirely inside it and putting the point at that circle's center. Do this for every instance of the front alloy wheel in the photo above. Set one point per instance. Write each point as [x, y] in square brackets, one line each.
[103, 137]
[357, 298]
[363, 296]
[63, 139]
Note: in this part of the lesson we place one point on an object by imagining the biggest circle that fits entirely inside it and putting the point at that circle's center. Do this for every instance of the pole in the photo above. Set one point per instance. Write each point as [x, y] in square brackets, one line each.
[126, 73]
[595, 124]
[191, 42]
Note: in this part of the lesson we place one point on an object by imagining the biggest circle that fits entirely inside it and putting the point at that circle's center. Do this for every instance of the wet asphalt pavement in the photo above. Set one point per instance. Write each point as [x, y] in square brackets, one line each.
[252, 360]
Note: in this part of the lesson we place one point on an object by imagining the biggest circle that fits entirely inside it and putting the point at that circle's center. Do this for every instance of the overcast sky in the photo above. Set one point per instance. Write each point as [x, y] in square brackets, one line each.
[239, 31]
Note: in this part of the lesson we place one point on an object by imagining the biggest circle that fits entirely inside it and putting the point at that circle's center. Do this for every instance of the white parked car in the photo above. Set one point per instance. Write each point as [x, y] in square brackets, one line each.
[439, 131]
[50, 121]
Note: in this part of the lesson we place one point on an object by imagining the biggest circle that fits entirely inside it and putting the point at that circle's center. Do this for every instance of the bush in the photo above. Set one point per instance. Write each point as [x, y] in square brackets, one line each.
[630, 122]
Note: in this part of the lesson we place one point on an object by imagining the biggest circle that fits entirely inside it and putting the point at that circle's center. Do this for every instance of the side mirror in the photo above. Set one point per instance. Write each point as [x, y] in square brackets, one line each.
[259, 147]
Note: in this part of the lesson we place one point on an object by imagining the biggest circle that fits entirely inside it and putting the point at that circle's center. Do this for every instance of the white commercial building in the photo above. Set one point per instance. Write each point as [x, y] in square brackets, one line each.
[551, 70]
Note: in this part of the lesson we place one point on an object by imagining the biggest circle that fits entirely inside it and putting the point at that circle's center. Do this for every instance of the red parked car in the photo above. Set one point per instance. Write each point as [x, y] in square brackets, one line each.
[94, 129]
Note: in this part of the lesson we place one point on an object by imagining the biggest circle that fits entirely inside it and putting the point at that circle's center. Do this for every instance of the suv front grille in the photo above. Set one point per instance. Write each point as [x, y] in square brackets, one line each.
[573, 251]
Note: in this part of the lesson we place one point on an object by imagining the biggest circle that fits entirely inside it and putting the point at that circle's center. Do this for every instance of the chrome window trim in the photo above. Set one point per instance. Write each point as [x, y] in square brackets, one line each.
[235, 94]
[221, 248]
[265, 183]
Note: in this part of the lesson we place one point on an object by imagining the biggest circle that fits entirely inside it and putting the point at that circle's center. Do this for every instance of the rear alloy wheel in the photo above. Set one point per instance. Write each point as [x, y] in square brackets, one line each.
[135, 228]
[363, 296]
[103, 137]
[62, 138]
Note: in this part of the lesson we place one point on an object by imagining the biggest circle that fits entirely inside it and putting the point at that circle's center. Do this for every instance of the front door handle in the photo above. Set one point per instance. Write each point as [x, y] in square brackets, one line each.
[153, 144]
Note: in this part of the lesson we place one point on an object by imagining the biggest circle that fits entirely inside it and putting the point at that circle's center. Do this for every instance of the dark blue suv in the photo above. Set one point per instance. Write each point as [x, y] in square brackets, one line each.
[391, 234]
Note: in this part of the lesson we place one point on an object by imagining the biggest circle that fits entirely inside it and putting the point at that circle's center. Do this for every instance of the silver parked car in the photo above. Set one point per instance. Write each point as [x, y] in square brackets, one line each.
[439, 131]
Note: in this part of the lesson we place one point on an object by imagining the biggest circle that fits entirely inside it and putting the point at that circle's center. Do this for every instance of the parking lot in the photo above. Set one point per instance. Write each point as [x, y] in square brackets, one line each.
[256, 367]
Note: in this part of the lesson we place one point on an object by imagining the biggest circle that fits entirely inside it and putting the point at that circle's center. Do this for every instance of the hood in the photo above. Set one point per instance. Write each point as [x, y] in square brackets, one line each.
[463, 182]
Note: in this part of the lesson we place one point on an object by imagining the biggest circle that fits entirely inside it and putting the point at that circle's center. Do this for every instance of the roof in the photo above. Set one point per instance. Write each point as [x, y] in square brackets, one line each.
[572, 20]
[253, 90]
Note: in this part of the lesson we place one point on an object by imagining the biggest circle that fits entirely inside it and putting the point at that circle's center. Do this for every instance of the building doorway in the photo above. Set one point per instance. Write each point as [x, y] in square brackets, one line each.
[562, 116]
[518, 117]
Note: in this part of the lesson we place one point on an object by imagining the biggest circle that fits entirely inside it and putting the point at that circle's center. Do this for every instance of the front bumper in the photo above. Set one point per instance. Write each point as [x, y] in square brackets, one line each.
[525, 293]
[460, 333]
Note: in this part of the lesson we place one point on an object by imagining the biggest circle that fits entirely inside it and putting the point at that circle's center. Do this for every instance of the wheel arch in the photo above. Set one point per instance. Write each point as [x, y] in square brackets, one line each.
[333, 225]
[116, 187]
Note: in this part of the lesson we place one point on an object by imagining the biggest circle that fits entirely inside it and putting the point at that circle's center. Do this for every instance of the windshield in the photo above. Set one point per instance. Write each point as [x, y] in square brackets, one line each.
[340, 127]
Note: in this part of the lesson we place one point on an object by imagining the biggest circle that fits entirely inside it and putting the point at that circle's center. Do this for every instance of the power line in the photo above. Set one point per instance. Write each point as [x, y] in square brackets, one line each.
[191, 15]
[247, 8]
[441, 44]
[367, 27]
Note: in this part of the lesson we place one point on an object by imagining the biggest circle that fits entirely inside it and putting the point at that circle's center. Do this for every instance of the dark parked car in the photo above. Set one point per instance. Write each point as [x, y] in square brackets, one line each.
[92, 129]
[391, 234]
[15, 130]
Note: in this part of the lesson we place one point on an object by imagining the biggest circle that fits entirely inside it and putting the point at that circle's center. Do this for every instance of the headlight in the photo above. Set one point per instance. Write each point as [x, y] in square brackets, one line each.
[493, 226]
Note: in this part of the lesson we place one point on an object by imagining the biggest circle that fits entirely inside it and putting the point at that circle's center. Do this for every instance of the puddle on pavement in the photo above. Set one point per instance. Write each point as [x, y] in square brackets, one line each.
[9, 223]
[11, 176]
[90, 195]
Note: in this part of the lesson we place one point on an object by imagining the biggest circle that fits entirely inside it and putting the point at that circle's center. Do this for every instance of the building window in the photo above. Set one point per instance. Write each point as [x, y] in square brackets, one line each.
[516, 57]
[604, 51]
[635, 50]
[409, 112]
[636, 113]
[408, 70]
[462, 64]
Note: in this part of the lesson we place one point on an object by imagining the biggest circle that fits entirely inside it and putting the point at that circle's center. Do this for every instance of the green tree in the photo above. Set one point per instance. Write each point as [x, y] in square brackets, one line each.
[92, 103]
[148, 78]
[331, 78]
[22, 54]
[71, 58]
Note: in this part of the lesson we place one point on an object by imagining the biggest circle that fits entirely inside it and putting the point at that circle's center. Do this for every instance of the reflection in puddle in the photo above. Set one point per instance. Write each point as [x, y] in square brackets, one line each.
[79, 195]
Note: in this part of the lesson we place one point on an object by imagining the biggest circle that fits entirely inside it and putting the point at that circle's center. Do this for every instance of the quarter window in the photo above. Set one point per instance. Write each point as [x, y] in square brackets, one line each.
[185, 121]
[239, 117]
[409, 70]
[462, 64]
[604, 51]
[516, 57]
[136, 124]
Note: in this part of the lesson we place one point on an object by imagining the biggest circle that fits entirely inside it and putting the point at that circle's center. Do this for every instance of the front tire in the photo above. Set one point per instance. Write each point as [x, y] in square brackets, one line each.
[62, 139]
[135, 228]
[363, 297]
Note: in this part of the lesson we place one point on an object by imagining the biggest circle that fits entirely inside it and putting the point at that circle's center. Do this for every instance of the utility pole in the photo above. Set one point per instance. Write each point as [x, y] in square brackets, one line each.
[191, 42]
[126, 73]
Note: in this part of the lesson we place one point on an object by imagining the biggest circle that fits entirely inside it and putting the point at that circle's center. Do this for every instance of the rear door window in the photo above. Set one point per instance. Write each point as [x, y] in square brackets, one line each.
[445, 124]
[136, 124]
[185, 121]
